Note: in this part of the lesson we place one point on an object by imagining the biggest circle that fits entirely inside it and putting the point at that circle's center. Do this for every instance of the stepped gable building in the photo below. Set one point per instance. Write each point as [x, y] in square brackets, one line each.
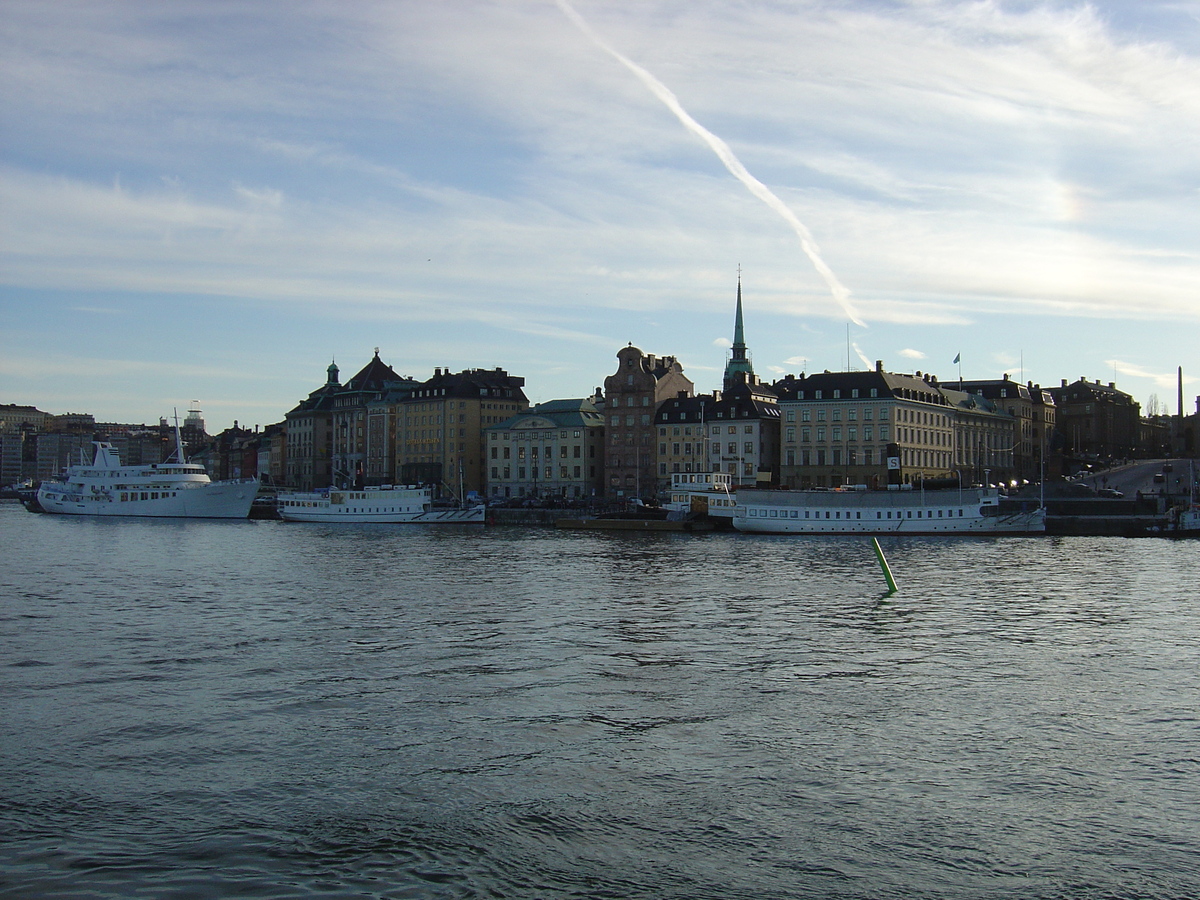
[439, 426]
[554, 450]
[1033, 409]
[878, 427]
[1095, 420]
[309, 437]
[632, 396]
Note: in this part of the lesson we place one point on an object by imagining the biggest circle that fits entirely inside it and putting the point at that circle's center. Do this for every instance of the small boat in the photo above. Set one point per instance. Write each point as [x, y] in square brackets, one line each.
[1185, 522]
[856, 510]
[385, 504]
[171, 489]
[640, 517]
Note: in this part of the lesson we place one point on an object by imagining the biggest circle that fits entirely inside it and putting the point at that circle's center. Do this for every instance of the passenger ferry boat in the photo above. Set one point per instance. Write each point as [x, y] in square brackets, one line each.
[704, 494]
[172, 489]
[385, 504]
[894, 511]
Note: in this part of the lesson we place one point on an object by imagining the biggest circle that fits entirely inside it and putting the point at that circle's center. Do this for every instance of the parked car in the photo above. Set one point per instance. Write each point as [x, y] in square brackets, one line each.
[1110, 493]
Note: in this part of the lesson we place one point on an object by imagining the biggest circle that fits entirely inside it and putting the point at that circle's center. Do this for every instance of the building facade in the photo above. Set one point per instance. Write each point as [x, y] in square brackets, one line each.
[1034, 412]
[439, 427]
[1096, 421]
[878, 428]
[554, 450]
[632, 396]
[309, 436]
[359, 451]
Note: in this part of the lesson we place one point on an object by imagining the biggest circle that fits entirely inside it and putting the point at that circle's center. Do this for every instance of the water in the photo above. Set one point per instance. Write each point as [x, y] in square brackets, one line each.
[253, 709]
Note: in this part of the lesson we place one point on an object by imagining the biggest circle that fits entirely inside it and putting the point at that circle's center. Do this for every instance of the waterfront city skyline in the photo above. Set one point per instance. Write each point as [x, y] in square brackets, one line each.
[213, 202]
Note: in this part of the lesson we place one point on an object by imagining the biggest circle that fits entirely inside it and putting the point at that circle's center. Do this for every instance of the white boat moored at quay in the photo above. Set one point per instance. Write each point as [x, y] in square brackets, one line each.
[172, 489]
[704, 494]
[897, 511]
[385, 504]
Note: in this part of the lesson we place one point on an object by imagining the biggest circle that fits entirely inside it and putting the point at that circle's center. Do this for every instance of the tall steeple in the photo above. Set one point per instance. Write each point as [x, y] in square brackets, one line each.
[738, 360]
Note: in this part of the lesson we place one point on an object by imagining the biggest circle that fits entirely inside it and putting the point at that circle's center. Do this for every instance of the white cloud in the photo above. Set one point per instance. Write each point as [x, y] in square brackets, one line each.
[909, 353]
[431, 168]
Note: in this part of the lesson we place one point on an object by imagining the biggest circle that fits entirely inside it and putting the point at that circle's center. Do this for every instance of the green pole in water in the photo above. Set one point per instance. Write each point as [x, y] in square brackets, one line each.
[883, 564]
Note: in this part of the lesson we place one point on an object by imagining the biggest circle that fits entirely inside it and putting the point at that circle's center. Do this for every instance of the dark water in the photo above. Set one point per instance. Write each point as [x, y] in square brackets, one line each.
[208, 709]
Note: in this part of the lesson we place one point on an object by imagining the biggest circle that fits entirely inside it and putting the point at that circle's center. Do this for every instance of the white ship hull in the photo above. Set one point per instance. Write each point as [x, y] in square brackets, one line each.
[383, 505]
[164, 490]
[967, 512]
[216, 500]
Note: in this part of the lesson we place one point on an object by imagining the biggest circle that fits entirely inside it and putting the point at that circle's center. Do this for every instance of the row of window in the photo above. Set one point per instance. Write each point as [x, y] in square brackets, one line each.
[540, 472]
[533, 435]
[834, 414]
[575, 450]
[835, 433]
[753, 512]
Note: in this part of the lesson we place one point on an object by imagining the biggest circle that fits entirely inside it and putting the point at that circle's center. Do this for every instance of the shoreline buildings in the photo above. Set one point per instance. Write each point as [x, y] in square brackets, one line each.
[473, 431]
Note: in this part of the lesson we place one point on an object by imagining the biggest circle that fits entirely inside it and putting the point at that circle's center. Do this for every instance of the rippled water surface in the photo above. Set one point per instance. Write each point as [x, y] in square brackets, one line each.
[253, 709]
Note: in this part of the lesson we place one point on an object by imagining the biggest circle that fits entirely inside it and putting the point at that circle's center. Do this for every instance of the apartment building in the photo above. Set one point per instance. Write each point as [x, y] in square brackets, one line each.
[554, 450]
[632, 396]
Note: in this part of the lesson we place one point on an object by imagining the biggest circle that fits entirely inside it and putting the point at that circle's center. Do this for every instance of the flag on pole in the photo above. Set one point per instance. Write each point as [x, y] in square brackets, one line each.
[957, 357]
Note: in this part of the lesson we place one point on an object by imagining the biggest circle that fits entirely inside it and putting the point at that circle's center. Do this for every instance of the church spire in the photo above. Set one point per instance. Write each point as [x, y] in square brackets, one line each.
[739, 360]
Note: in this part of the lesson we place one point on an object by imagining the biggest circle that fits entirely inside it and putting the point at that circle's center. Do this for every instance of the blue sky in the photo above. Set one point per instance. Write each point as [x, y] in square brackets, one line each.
[212, 200]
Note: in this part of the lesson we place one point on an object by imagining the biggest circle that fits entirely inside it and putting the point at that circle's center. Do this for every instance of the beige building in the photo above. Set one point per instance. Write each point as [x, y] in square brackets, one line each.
[554, 450]
[1033, 409]
[880, 427]
[439, 436]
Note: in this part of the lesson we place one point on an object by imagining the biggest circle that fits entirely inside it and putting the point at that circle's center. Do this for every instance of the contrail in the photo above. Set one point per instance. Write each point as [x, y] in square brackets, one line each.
[726, 155]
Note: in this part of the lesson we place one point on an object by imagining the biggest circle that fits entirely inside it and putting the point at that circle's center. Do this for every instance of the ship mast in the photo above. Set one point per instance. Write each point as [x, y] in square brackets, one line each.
[178, 439]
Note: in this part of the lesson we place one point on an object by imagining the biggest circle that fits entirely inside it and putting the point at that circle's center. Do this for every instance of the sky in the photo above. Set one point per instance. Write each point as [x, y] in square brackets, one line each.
[211, 201]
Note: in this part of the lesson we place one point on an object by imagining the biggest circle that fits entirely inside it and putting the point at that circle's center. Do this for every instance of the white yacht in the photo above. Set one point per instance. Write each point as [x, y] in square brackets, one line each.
[172, 489]
[385, 504]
